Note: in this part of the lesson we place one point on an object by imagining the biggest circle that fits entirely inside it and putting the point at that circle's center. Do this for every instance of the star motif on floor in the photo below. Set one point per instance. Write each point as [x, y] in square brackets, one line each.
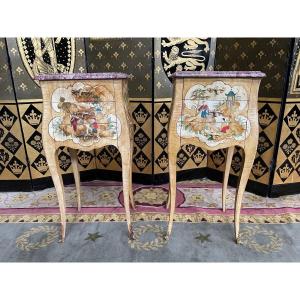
[203, 238]
[94, 236]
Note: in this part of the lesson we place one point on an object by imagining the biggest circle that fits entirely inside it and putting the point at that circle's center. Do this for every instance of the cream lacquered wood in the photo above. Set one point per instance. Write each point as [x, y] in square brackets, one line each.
[83, 114]
[214, 112]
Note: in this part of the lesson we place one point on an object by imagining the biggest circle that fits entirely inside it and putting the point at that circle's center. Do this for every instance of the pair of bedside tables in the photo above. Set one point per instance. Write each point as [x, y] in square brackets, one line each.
[212, 110]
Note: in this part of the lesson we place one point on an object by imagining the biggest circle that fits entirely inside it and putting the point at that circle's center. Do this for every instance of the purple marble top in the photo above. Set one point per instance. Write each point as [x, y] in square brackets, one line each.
[208, 74]
[81, 76]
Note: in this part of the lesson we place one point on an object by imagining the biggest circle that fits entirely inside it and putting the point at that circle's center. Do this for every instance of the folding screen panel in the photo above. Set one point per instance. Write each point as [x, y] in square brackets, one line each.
[270, 56]
[287, 174]
[134, 57]
[29, 57]
[13, 160]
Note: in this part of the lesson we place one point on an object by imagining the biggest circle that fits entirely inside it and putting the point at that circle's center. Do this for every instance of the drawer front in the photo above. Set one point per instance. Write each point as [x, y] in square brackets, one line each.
[84, 114]
[215, 113]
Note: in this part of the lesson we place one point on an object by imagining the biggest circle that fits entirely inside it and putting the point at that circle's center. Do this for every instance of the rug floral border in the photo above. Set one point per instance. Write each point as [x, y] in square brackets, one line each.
[179, 217]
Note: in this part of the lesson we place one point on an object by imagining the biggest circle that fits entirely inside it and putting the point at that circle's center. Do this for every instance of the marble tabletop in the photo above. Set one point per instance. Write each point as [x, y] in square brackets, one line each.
[213, 74]
[81, 76]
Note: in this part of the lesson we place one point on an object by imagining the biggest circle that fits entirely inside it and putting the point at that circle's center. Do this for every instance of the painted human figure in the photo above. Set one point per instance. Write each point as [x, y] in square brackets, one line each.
[225, 127]
[203, 110]
[74, 122]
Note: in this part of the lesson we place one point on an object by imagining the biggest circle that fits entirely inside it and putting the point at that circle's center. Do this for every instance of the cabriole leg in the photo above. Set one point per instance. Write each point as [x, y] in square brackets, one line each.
[230, 151]
[130, 178]
[52, 159]
[76, 173]
[248, 163]
[126, 178]
[172, 189]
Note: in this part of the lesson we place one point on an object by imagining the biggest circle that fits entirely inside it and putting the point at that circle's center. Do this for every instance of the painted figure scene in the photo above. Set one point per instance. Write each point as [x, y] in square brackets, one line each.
[215, 113]
[85, 114]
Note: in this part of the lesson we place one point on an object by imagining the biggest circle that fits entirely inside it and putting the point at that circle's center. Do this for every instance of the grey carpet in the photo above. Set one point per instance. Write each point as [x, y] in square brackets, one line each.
[190, 242]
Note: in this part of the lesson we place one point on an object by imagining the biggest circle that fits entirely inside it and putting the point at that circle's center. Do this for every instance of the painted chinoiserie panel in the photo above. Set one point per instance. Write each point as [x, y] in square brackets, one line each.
[215, 113]
[84, 113]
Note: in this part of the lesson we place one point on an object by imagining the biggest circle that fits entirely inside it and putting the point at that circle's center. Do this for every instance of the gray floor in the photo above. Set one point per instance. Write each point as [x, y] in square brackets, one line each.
[190, 242]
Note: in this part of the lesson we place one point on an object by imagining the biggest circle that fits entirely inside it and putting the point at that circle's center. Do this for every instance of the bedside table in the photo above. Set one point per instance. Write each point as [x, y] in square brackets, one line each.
[86, 111]
[214, 110]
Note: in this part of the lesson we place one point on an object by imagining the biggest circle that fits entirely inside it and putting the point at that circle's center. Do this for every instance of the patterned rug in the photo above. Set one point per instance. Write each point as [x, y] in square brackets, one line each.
[189, 242]
[197, 201]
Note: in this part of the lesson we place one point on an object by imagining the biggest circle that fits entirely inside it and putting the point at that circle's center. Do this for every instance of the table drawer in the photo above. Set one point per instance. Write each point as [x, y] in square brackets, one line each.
[215, 133]
[214, 113]
[83, 113]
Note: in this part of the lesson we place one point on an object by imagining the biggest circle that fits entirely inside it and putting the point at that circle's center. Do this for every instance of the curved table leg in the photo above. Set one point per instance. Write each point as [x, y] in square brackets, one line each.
[230, 151]
[52, 159]
[126, 178]
[130, 178]
[248, 163]
[73, 154]
[169, 199]
[172, 189]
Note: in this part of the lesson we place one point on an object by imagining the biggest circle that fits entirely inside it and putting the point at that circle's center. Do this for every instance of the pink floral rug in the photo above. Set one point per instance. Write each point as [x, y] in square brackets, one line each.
[197, 200]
